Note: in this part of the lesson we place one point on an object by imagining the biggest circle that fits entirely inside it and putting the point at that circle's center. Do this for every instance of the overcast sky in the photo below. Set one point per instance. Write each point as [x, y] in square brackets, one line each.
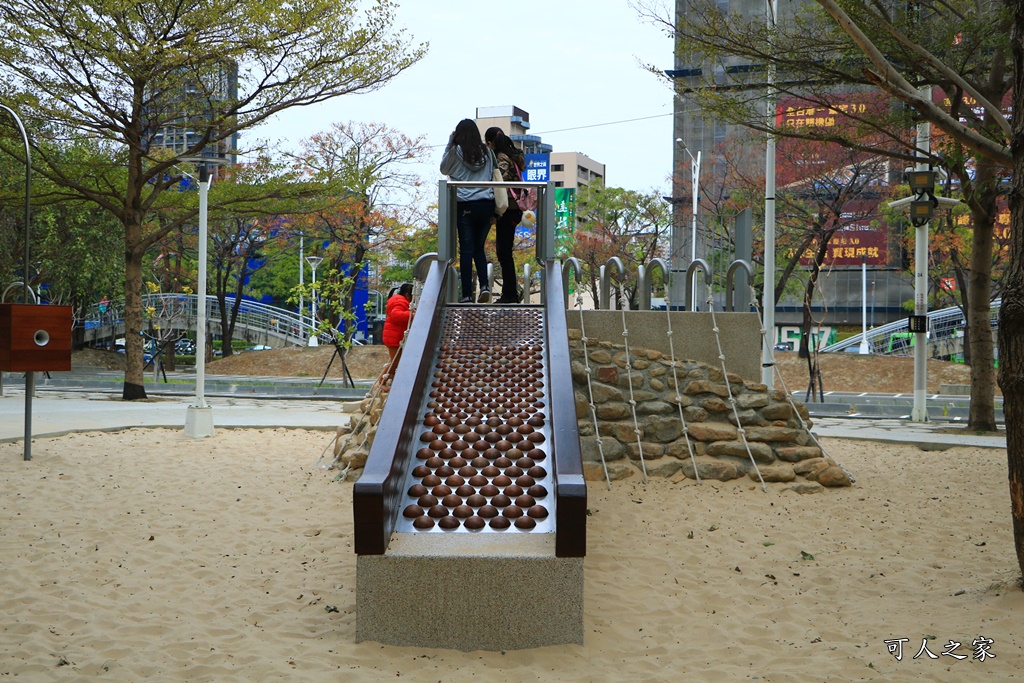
[577, 66]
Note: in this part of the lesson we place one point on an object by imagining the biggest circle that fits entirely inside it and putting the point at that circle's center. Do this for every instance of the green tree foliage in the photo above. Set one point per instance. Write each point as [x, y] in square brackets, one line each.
[127, 74]
[615, 222]
[367, 164]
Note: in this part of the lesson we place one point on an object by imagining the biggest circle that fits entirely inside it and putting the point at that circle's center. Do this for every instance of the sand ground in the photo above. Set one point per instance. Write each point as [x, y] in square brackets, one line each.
[145, 555]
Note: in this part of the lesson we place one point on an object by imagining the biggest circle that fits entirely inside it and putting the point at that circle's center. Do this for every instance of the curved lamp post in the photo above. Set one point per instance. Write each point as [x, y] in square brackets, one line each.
[30, 378]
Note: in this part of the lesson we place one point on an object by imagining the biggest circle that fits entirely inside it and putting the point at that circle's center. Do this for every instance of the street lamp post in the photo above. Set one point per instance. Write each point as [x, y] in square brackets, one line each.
[302, 274]
[314, 261]
[695, 174]
[199, 417]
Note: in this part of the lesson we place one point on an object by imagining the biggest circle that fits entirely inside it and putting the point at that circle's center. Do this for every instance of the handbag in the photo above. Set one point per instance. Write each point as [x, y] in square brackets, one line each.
[500, 193]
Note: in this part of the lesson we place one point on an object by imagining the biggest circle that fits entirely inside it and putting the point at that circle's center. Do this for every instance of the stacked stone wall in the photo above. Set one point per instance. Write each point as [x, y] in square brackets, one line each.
[777, 441]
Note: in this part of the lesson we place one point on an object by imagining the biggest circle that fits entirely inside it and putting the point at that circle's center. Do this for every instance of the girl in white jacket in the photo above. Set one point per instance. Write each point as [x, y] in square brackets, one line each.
[467, 158]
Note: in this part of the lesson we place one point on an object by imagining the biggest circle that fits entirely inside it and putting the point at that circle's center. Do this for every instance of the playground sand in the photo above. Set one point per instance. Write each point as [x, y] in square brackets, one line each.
[145, 555]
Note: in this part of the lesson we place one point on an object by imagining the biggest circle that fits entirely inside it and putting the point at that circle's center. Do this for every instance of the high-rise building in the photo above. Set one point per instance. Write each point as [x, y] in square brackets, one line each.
[182, 116]
[565, 169]
[841, 283]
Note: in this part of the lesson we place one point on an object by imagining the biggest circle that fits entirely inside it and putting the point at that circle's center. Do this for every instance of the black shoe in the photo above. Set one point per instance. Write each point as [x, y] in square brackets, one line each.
[466, 300]
[505, 299]
[485, 296]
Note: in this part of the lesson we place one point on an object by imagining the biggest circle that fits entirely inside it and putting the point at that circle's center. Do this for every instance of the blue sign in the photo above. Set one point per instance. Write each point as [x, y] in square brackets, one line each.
[537, 167]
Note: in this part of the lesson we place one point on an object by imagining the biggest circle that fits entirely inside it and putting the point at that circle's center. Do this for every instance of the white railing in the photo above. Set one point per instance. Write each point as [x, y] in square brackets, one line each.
[178, 311]
[945, 335]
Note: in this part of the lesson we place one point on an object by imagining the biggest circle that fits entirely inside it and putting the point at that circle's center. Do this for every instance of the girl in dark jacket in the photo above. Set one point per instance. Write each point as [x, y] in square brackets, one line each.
[511, 162]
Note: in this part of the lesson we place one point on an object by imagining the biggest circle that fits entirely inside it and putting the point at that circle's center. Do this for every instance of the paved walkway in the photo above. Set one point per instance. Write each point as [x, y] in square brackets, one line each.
[61, 412]
[57, 412]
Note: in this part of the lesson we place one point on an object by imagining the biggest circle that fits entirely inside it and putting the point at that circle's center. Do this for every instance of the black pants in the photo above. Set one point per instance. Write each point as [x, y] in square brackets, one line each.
[505, 234]
[473, 222]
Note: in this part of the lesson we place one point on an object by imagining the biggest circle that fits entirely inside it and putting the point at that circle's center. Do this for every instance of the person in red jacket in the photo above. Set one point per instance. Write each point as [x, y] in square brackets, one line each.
[396, 321]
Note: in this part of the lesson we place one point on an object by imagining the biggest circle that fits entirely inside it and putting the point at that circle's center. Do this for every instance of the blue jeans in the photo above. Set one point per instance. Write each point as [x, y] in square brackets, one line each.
[474, 223]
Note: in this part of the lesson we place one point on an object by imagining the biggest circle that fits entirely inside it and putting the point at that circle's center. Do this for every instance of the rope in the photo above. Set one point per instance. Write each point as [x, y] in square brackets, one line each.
[590, 388]
[629, 377]
[675, 383]
[732, 399]
[770, 345]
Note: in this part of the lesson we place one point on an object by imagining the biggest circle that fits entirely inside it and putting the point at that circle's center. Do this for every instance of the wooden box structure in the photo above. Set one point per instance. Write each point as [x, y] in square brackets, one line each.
[35, 338]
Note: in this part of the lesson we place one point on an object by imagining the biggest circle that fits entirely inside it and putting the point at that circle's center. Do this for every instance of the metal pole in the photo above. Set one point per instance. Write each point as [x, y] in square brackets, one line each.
[302, 273]
[864, 348]
[29, 376]
[767, 371]
[920, 409]
[199, 417]
[695, 172]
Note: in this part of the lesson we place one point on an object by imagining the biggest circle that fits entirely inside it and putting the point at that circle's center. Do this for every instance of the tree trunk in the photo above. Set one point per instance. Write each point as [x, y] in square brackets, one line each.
[1011, 315]
[133, 388]
[982, 415]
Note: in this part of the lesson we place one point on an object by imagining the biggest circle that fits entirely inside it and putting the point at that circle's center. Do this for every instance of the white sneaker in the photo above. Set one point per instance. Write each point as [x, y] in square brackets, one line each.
[485, 296]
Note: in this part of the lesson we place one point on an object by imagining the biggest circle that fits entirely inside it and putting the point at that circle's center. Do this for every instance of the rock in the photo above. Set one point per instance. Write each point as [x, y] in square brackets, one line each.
[601, 357]
[761, 452]
[654, 408]
[626, 379]
[622, 431]
[603, 393]
[747, 417]
[751, 400]
[613, 450]
[582, 407]
[714, 405]
[805, 466]
[711, 468]
[656, 384]
[575, 334]
[340, 444]
[650, 450]
[695, 414]
[654, 355]
[657, 371]
[833, 476]
[777, 411]
[678, 449]
[662, 429]
[797, 453]
[579, 372]
[662, 467]
[608, 374]
[613, 411]
[355, 458]
[776, 472]
[639, 364]
[772, 434]
[712, 431]
[700, 386]
[756, 387]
